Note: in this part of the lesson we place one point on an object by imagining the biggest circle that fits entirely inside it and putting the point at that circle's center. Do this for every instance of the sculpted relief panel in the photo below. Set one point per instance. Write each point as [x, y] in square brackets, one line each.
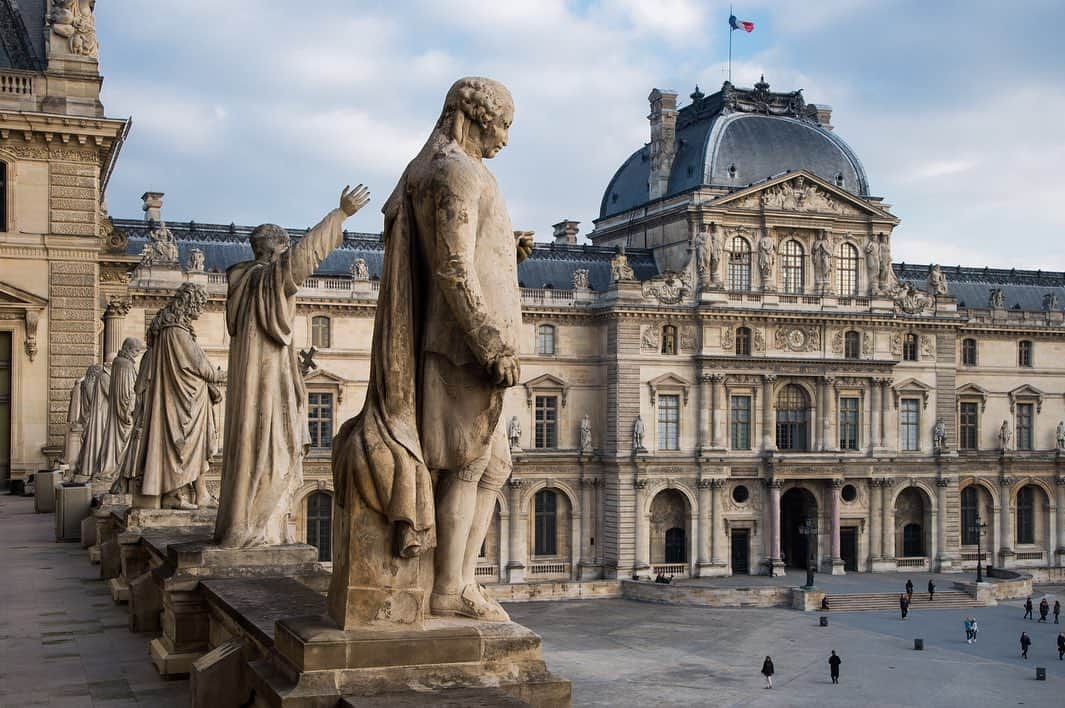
[798, 194]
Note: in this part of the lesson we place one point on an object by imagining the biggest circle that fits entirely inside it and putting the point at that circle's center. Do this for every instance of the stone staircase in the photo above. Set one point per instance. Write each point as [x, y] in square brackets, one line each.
[884, 601]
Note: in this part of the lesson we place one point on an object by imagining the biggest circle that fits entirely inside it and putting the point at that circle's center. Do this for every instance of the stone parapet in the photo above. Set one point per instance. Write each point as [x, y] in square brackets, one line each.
[701, 596]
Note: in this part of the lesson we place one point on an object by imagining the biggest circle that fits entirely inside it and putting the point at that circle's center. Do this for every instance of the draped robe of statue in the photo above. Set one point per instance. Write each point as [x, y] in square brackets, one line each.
[266, 431]
[128, 464]
[120, 416]
[92, 439]
[177, 416]
[72, 444]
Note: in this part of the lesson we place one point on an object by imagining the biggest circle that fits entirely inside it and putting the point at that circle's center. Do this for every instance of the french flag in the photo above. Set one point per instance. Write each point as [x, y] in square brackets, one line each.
[740, 24]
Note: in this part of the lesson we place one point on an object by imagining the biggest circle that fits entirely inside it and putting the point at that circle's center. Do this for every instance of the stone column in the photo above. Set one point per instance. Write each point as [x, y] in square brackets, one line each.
[643, 536]
[717, 539]
[942, 553]
[887, 505]
[835, 562]
[885, 411]
[518, 549]
[1005, 549]
[705, 531]
[1060, 481]
[769, 414]
[874, 414]
[706, 413]
[114, 314]
[875, 514]
[776, 565]
[720, 411]
[589, 569]
[831, 436]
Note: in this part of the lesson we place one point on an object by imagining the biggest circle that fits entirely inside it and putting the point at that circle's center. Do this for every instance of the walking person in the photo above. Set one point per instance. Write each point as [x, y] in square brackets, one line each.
[1057, 610]
[834, 662]
[1026, 642]
[976, 628]
[909, 589]
[904, 605]
[931, 590]
[767, 671]
[1061, 646]
[1044, 608]
[1028, 609]
[968, 630]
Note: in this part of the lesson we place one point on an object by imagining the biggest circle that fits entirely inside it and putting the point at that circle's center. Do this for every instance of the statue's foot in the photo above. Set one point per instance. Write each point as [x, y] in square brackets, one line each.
[468, 603]
[182, 505]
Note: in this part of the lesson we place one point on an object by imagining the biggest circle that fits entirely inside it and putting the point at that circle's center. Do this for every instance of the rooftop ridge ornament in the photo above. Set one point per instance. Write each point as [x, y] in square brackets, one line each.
[761, 100]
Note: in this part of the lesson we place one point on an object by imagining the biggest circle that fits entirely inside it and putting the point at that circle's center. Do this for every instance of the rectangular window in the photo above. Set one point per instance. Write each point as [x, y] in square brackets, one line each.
[1024, 354]
[740, 422]
[910, 424]
[545, 535]
[320, 419]
[969, 425]
[848, 423]
[1024, 426]
[669, 422]
[546, 422]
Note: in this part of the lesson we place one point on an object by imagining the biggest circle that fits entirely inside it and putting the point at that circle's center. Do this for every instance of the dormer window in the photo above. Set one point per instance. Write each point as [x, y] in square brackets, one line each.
[840, 180]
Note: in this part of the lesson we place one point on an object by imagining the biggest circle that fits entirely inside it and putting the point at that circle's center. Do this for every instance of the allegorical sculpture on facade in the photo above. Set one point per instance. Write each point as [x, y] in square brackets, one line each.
[996, 299]
[196, 260]
[121, 403]
[177, 421]
[586, 433]
[266, 430]
[73, 21]
[580, 279]
[637, 435]
[707, 243]
[821, 252]
[1004, 435]
[939, 436]
[872, 265]
[359, 271]
[767, 254]
[619, 266]
[937, 282]
[421, 465]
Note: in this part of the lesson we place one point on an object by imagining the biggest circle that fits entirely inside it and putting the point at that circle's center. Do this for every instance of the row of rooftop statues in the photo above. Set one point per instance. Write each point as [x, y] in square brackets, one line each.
[418, 470]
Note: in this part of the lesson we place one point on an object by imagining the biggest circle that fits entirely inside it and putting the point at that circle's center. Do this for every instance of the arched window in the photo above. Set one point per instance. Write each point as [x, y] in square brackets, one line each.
[969, 512]
[847, 262]
[675, 546]
[739, 264]
[669, 339]
[545, 339]
[743, 341]
[320, 524]
[852, 345]
[321, 336]
[1026, 515]
[909, 347]
[968, 352]
[912, 540]
[792, 266]
[1024, 353]
[792, 418]
[545, 513]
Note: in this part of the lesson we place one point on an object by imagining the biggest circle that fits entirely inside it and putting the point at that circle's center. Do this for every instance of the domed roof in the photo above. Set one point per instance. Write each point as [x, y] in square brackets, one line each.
[736, 137]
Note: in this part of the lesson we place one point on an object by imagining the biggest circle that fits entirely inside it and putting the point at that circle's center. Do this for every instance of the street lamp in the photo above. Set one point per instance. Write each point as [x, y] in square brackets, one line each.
[809, 530]
[977, 528]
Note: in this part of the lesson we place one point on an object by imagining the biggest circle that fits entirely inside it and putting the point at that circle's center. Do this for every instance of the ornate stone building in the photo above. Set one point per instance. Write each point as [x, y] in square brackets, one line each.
[733, 378]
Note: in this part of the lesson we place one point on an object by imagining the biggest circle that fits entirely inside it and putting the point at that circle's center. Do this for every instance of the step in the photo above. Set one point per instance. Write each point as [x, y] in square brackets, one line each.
[856, 602]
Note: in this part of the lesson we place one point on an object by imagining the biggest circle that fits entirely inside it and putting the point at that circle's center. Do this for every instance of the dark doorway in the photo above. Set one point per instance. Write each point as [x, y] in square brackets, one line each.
[796, 506]
[741, 545]
[5, 409]
[912, 540]
[848, 547]
[675, 552]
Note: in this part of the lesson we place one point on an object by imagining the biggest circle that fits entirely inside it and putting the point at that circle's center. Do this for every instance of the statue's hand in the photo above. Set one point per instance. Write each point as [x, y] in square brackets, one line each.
[525, 246]
[505, 370]
[351, 200]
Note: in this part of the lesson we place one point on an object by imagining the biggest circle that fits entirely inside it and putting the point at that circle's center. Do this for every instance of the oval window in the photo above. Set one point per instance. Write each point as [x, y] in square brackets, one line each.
[740, 494]
[849, 493]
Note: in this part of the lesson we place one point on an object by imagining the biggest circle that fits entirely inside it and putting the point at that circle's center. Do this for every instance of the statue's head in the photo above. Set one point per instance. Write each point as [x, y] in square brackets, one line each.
[132, 347]
[189, 300]
[477, 114]
[268, 241]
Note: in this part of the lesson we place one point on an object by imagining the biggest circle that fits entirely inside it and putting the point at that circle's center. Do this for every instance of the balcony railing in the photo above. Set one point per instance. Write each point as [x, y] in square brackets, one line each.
[911, 562]
[1029, 555]
[486, 571]
[543, 569]
[667, 569]
[546, 296]
[12, 84]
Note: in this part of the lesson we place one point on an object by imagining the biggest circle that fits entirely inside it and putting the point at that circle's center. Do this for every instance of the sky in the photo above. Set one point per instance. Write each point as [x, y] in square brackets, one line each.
[252, 111]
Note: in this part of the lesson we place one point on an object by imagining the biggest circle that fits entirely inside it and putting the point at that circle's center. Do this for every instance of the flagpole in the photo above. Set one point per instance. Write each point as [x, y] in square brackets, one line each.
[730, 45]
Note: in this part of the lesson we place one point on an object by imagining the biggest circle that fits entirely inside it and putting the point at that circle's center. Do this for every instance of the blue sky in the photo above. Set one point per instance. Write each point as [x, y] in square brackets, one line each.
[252, 111]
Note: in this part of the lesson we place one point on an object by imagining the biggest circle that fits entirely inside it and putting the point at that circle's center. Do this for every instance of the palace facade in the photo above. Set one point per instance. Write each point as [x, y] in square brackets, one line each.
[733, 378]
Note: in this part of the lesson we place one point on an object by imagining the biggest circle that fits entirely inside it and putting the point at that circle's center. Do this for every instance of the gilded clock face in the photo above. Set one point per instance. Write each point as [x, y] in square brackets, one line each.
[796, 339]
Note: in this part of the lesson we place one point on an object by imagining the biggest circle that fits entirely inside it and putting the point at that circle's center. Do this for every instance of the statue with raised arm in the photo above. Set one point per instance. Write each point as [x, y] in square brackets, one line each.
[266, 431]
[121, 401]
[423, 462]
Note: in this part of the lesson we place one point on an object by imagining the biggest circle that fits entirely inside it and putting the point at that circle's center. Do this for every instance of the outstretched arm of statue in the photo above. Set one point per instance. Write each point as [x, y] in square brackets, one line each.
[324, 238]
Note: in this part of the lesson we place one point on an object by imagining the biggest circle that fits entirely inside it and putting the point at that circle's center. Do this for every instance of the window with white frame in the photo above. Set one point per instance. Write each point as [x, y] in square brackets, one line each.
[739, 264]
[1024, 353]
[740, 422]
[1025, 420]
[668, 421]
[545, 339]
[968, 425]
[546, 423]
[910, 424]
[321, 332]
[320, 419]
[792, 264]
[847, 268]
[848, 422]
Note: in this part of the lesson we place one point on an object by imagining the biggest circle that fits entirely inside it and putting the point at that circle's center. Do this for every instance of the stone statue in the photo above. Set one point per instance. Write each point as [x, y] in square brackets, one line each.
[72, 444]
[766, 259]
[73, 21]
[1059, 435]
[359, 271]
[514, 433]
[939, 436]
[872, 266]
[180, 386]
[122, 399]
[127, 479]
[580, 279]
[196, 262]
[637, 434]
[619, 266]
[586, 433]
[911, 300]
[997, 299]
[266, 430]
[161, 248]
[937, 282]
[822, 257]
[1050, 302]
[1004, 435]
[707, 244]
[95, 412]
[422, 464]
[886, 276]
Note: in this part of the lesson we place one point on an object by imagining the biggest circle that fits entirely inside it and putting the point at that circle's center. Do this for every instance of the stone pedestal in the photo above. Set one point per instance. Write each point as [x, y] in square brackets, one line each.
[88, 534]
[44, 491]
[807, 599]
[72, 505]
[833, 566]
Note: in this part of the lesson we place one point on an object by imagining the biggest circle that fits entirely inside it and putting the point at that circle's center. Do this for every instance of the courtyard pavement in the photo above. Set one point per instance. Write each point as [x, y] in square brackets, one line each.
[63, 642]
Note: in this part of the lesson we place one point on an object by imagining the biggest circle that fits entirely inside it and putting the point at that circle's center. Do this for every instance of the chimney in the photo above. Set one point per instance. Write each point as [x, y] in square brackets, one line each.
[566, 231]
[821, 113]
[153, 205]
[663, 119]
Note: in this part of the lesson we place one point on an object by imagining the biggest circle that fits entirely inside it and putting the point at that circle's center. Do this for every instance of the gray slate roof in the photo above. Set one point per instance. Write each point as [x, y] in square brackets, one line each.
[551, 265]
[1021, 289]
[22, 34]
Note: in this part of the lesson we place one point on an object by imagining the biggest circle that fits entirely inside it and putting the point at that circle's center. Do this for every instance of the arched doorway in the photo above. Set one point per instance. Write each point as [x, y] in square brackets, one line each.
[669, 528]
[913, 523]
[796, 506]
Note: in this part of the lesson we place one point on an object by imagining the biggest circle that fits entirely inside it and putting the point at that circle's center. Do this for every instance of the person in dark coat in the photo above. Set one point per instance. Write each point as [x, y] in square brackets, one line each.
[767, 671]
[824, 605]
[931, 590]
[833, 666]
[904, 605]
[1061, 646]
[1028, 609]
[1057, 610]
[1026, 642]
[1044, 609]
[909, 589]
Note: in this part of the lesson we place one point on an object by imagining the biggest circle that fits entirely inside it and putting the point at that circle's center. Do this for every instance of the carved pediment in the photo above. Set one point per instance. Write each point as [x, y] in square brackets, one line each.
[324, 377]
[1024, 394]
[911, 388]
[668, 383]
[971, 390]
[19, 304]
[801, 191]
[546, 383]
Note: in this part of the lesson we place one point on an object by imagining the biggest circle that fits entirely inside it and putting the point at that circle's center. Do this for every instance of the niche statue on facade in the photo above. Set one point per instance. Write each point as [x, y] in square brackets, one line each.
[707, 243]
[1059, 435]
[767, 254]
[939, 436]
[1004, 435]
[822, 257]
[514, 433]
[586, 433]
[637, 435]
